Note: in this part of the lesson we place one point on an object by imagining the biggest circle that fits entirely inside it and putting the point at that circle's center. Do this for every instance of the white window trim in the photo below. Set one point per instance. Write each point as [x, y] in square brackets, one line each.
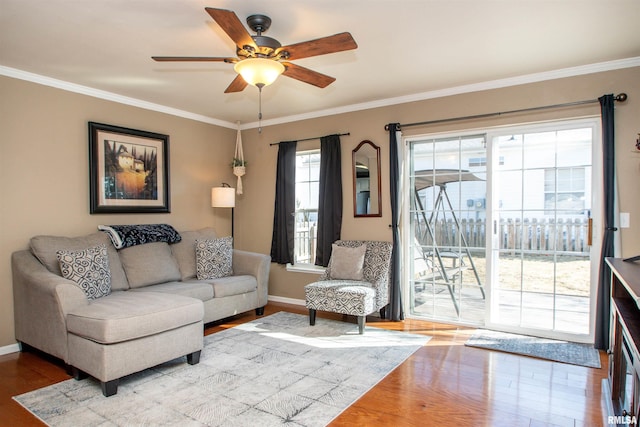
[306, 268]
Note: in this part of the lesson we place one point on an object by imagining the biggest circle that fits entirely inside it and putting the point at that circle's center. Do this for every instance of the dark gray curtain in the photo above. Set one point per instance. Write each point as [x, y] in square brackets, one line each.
[330, 198]
[285, 204]
[604, 283]
[394, 311]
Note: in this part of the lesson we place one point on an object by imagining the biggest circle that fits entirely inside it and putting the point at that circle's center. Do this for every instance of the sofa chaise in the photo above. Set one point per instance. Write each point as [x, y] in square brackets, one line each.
[153, 311]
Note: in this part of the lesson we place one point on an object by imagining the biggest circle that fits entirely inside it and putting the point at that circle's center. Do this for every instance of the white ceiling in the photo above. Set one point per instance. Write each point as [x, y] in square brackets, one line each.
[408, 49]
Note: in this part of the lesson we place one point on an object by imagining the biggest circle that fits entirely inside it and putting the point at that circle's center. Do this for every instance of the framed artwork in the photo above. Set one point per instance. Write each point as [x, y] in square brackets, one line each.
[128, 170]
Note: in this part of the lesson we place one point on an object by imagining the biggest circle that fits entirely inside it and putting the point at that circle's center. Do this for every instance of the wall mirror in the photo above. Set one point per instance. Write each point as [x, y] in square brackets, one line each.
[366, 180]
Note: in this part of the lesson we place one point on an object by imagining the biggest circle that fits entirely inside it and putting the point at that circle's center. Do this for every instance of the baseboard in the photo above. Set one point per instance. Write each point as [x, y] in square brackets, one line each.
[286, 300]
[12, 348]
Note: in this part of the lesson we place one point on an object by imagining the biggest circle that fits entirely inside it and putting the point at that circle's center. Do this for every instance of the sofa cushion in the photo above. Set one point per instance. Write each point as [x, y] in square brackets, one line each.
[149, 264]
[341, 296]
[214, 258]
[234, 285]
[194, 289]
[346, 263]
[185, 251]
[126, 315]
[89, 268]
[45, 247]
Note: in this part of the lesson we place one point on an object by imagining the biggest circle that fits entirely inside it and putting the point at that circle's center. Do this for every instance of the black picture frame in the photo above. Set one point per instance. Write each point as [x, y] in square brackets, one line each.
[128, 170]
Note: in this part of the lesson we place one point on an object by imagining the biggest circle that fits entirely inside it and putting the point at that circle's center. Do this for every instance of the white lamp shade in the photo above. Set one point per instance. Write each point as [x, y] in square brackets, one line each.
[259, 71]
[223, 197]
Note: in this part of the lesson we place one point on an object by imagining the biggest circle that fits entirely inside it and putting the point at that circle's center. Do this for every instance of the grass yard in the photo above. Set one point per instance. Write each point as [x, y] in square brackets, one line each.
[535, 273]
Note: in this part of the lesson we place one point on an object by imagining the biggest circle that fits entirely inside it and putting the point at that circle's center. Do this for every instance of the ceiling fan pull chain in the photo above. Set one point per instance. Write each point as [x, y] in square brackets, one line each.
[259, 109]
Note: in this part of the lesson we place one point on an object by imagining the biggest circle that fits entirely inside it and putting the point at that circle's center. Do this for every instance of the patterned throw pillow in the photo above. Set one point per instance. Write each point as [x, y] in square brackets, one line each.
[347, 263]
[214, 258]
[89, 268]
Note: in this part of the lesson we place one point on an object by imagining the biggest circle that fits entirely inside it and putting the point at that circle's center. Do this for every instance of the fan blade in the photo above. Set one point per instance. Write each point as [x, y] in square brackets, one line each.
[331, 44]
[192, 59]
[231, 25]
[237, 85]
[306, 75]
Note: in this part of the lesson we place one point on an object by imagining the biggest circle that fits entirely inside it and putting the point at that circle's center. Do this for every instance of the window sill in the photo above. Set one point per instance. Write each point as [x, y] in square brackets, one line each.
[305, 268]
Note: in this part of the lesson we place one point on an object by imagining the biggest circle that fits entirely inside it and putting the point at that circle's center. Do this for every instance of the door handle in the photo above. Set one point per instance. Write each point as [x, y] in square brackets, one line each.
[589, 231]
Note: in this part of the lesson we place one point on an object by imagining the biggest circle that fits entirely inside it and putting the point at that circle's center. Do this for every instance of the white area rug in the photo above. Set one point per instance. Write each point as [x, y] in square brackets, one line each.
[555, 350]
[272, 371]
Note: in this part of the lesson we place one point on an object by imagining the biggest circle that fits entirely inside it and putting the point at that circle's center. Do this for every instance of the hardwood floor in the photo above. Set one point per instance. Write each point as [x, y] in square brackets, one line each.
[443, 384]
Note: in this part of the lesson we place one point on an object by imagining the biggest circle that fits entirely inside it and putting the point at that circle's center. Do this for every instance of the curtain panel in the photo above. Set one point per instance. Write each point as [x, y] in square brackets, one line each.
[282, 242]
[395, 311]
[330, 198]
[603, 307]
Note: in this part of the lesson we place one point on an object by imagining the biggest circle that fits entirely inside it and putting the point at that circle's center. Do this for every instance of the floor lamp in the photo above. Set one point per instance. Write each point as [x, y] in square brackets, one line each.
[224, 197]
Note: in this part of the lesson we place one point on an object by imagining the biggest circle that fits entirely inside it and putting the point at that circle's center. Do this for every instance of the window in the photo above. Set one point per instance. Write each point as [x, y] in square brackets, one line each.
[306, 214]
[482, 161]
[477, 161]
[564, 190]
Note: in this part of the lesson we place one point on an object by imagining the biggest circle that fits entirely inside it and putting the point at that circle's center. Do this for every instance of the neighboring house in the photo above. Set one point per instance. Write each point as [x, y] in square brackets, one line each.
[468, 198]
[125, 160]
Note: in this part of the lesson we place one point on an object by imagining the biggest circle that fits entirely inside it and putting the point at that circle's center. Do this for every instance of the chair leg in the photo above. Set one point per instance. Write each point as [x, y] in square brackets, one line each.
[383, 312]
[312, 317]
[361, 320]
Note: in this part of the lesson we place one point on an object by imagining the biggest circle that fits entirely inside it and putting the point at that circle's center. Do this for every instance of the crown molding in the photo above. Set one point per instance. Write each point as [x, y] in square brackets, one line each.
[457, 90]
[109, 96]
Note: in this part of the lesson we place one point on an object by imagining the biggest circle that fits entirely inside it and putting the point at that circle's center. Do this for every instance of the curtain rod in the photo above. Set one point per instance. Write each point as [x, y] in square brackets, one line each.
[620, 98]
[310, 139]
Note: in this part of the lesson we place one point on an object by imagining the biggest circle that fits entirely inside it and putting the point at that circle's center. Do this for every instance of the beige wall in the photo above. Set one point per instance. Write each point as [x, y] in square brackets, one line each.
[255, 211]
[44, 170]
[43, 162]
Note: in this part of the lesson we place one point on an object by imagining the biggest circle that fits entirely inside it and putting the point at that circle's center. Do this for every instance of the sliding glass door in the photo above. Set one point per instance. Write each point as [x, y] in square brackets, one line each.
[447, 200]
[498, 228]
[541, 213]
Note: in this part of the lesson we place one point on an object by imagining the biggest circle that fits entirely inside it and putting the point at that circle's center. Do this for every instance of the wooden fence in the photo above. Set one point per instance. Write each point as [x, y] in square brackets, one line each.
[529, 235]
[305, 242]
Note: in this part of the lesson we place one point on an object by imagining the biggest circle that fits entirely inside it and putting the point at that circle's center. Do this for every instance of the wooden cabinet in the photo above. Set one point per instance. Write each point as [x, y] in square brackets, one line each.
[624, 357]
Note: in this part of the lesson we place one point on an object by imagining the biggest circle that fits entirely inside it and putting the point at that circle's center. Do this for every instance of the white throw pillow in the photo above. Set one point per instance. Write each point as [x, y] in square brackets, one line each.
[214, 258]
[347, 263]
[89, 268]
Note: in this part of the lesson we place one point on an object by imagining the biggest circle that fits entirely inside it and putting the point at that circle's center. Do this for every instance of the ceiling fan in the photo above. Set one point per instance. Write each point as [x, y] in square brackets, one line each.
[261, 59]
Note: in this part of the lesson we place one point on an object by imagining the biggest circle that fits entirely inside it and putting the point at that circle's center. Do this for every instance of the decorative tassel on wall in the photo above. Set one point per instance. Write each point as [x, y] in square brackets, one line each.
[239, 165]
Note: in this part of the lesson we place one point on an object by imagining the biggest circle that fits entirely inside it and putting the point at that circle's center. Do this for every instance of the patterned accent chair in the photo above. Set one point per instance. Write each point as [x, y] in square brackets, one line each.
[354, 297]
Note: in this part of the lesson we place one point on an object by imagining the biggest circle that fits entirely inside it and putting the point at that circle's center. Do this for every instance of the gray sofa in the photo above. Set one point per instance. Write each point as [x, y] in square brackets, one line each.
[154, 313]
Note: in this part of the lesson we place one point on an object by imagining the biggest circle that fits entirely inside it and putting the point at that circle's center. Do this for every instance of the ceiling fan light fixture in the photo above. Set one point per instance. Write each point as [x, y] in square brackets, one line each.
[259, 72]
